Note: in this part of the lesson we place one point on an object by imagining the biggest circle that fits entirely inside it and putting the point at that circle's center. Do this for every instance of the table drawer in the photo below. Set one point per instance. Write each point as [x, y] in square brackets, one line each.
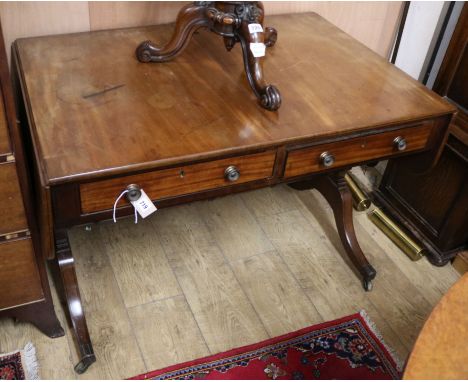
[355, 150]
[20, 281]
[176, 181]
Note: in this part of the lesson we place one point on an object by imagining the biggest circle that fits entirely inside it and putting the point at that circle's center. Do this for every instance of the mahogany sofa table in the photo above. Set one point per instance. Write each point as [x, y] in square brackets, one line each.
[100, 120]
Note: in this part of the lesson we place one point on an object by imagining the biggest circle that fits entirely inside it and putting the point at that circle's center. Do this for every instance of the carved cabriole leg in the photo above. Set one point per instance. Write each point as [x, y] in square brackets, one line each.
[230, 20]
[334, 188]
[268, 95]
[66, 266]
[190, 18]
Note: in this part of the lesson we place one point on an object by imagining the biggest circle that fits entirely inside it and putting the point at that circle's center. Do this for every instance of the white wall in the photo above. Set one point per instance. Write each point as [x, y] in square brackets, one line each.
[452, 23]
[420, 31]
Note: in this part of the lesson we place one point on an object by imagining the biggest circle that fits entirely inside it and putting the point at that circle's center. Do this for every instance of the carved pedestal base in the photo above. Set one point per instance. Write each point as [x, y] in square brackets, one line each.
[335, 190]
[236, 21]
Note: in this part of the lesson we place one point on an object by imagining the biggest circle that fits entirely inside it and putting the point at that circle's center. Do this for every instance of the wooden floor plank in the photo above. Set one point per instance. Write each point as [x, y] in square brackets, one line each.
[328, 281]
[405, 306]
[53, 354]
[221, 308]
[233, 227]
[139, 262]
[433, 282]
[109, 326]
[278, 298]
[167, 333]
[227, 304]
[271, 201]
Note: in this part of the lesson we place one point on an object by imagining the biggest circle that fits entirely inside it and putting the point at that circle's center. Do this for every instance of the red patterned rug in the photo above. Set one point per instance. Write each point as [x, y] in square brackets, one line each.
[347, 348]
[20, 364]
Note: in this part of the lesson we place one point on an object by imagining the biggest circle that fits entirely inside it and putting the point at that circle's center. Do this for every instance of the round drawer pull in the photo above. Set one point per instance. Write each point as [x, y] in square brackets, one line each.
[327, 159]
[400, 143]
[231, 174]
[134, 192]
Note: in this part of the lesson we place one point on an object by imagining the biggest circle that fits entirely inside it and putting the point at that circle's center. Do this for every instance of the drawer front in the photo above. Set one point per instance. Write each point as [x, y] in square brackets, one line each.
[20, 281]
[99, 196]
[356, 150]
[12, 217]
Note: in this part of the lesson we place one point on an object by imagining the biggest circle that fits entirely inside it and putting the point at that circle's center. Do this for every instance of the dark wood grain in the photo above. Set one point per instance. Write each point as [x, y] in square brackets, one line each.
[177, 181]
[119, 115]
[21, 283]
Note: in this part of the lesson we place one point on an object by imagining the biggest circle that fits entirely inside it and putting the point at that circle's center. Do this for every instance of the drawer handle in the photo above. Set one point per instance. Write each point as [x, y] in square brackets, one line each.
[231, 173]
[134, 192]
[399, 143]
[327, 159]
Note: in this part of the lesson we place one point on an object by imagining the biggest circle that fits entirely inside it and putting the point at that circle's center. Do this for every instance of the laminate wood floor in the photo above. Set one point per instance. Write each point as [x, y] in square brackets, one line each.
[205, 277]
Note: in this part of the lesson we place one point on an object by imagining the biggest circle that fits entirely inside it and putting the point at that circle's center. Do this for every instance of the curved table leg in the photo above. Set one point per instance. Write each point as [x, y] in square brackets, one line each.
[66, 266]
[268, 95]
[190, 18]
[335, 190]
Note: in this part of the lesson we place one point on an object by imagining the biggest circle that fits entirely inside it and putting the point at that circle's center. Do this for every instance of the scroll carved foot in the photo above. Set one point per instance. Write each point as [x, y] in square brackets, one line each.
[335, 190]
[190, 18]
[75, 309]
[268, 95]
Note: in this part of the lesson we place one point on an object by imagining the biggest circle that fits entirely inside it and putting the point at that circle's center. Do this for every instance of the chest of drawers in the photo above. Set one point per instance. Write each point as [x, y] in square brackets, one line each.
[24, 291]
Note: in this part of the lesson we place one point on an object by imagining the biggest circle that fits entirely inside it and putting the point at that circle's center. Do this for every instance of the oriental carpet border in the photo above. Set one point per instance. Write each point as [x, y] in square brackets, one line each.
[19, 364]
[377, 356]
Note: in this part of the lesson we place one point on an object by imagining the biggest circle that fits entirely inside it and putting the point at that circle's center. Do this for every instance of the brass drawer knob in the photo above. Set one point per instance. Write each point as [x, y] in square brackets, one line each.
[134, 192]
[327, 159]
[399, 143]
[231, 174]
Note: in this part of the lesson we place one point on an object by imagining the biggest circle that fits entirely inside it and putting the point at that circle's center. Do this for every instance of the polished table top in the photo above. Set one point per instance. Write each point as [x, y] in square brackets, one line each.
[96, 110]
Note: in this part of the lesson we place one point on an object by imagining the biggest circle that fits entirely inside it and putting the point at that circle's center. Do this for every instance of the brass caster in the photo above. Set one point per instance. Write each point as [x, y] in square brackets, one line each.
[85, 362]
[367, 285]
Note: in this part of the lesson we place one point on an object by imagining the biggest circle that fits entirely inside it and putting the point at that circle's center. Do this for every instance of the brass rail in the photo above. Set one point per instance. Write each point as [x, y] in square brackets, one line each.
[413, 250]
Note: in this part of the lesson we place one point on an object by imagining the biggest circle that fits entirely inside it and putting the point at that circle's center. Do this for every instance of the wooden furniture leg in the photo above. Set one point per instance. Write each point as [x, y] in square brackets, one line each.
[66, 266]
[230, 19]
[334, 188]
[190, 18]
[42, 316]
[268, 95]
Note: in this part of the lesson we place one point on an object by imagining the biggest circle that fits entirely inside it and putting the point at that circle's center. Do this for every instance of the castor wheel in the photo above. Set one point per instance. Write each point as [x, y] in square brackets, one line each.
[367, 285]
[84, 363]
